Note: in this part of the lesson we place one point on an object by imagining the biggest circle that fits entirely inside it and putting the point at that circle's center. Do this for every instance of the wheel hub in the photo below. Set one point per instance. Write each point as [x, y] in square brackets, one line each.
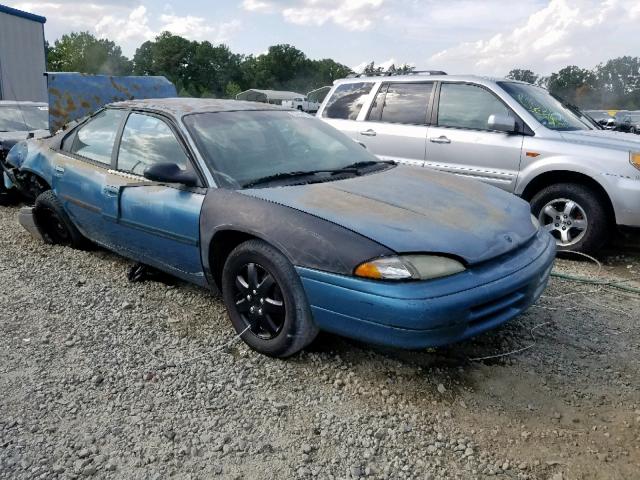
[259, 301]
[565, 219]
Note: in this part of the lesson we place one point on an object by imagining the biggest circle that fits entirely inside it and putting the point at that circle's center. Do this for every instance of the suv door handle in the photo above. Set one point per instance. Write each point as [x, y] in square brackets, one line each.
[440, 139]
[110, 190]
[369, 133]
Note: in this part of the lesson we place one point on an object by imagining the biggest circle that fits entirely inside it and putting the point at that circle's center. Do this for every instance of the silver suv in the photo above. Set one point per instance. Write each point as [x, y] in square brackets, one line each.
[581, 182]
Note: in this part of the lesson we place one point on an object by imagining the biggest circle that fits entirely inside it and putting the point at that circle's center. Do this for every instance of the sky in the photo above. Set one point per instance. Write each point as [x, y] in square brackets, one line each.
[487, 37]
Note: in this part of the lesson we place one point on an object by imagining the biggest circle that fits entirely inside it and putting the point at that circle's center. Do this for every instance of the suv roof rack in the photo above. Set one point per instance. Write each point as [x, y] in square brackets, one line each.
[391, 74]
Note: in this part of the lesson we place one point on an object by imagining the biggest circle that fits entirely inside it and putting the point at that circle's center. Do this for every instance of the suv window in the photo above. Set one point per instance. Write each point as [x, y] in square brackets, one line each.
[147, 140]
[467, 106]
[402, 103]
[94, 140]
[347, 100]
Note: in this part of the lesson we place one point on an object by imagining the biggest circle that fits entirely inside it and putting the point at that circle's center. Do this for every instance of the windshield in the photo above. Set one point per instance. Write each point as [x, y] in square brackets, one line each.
[23, 118]
[244, 146]
[546, 109]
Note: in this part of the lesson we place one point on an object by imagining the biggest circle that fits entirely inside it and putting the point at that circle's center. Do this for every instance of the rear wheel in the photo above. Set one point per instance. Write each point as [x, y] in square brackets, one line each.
[265, 300]
[54, 223]
[574, 214]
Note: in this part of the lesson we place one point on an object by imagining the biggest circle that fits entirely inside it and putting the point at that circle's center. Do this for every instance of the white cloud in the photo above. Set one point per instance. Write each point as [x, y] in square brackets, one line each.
[565, 32]
[353, 15]
[257, 6]
[132, 27]
[128, 23]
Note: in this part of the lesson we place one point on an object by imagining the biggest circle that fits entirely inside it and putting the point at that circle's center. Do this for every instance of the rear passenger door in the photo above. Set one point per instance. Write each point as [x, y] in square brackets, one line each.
[396, 124]
[344, 106]
[460, 141]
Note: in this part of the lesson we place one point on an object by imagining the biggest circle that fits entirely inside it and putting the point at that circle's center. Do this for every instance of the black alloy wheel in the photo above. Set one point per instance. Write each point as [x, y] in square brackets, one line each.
[266, 301]
[259, 301]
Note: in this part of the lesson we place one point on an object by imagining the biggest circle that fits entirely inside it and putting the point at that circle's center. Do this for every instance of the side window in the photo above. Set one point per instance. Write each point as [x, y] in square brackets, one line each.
[347, 100]
[94, 140]
[402, 103]
[147, 140]
[467, 106]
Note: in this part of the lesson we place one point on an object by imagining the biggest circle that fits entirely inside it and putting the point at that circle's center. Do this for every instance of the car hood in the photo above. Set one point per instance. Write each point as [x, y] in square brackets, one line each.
[412, 209]
[11, 138]
[604, 139]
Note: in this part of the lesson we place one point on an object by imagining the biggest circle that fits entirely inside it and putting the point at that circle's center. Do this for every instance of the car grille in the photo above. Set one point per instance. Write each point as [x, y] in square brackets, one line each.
[496, 308]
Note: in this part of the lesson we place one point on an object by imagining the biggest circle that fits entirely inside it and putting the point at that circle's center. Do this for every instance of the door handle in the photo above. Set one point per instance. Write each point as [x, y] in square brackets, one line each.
[59, 169]
[440, 139]
[110, 190]
[368, 133]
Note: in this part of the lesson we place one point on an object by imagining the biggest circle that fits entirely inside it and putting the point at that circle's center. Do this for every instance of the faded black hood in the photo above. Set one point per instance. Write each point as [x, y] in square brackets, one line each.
[412, 209]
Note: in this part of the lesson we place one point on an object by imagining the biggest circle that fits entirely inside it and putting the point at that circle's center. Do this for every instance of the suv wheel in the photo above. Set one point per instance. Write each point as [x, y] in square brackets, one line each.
[574, 214]
[265, 300]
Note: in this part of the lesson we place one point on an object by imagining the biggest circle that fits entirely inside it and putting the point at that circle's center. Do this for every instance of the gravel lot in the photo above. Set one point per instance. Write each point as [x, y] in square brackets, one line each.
[107, 379]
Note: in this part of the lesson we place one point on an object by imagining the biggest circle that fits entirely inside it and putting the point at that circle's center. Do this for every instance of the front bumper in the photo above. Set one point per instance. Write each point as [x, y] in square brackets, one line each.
[436, 312]
[625, 196]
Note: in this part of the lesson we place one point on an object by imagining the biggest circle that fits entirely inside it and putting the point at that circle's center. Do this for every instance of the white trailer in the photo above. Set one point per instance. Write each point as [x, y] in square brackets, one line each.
[22, 56]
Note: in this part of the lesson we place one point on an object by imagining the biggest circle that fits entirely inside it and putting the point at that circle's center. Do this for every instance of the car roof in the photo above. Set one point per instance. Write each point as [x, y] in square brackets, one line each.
[14, 103]
[178, 107]
[419, 77]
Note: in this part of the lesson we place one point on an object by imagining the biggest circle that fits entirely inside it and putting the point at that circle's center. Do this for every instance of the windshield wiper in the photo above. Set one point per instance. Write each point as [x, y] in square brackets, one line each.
[286, 175]
[353, 168]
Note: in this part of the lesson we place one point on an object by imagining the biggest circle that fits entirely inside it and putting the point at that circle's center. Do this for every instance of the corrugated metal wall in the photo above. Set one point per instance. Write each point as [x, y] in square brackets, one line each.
[22, 59]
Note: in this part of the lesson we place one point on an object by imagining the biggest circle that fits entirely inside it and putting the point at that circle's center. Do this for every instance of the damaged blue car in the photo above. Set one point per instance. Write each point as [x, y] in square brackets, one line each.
[299, 227]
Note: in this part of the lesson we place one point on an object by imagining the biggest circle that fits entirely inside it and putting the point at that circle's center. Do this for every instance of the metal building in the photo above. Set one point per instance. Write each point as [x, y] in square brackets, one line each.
[267, 96]
[22, 56]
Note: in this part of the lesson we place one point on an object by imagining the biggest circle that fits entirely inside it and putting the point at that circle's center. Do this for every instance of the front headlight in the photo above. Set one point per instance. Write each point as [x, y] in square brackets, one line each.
[535, 221]
[409, 267]
[634, 158]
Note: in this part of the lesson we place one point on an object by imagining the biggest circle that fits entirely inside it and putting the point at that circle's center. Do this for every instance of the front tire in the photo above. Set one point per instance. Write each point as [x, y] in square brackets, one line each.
[265, 300]
[54, 223]
[574, 214]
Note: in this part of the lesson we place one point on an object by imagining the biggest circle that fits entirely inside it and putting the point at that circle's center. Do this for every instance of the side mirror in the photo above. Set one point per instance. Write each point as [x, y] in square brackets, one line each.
[502, 123]
[170, 173]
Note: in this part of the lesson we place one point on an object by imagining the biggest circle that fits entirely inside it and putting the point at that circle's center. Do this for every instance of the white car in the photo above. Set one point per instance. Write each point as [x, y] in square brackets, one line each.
[580, 182]
[302, 104]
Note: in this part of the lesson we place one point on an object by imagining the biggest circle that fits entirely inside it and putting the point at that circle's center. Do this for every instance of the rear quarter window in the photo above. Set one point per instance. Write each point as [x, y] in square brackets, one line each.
[347, 100]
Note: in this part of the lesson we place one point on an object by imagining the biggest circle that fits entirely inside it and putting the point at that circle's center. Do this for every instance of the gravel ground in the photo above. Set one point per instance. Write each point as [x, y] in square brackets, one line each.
[107, 379]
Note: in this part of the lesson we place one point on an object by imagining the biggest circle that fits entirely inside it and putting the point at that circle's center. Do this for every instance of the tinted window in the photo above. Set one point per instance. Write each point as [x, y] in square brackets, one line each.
[402, 103]
[147, 140]
[467, 106]
[347, 100]
[95, 139]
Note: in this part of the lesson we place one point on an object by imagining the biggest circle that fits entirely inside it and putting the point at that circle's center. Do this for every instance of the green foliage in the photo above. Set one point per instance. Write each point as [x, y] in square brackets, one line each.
[612, 85]
[372, 69]
[231, 90]
[83, 52]
[523, 75]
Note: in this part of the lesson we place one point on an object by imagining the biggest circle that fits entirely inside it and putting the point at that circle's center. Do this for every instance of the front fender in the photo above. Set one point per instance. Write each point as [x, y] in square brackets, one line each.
[306, 240]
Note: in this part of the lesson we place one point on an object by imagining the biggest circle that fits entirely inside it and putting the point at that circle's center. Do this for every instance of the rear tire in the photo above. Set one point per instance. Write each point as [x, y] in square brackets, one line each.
[265, 300]
[574, 214]
[54, 223]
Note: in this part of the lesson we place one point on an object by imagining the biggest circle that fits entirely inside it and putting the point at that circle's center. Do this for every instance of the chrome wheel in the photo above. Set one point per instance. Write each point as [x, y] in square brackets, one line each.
[565, 219]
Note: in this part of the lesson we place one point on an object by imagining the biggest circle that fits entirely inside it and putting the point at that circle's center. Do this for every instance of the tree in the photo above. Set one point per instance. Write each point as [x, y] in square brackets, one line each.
[523, 75]
[573, 84]
[618, 82]
[82, 52]
[231, 90]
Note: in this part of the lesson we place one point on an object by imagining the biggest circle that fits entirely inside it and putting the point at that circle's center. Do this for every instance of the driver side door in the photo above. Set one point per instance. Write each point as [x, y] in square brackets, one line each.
[155, 223]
